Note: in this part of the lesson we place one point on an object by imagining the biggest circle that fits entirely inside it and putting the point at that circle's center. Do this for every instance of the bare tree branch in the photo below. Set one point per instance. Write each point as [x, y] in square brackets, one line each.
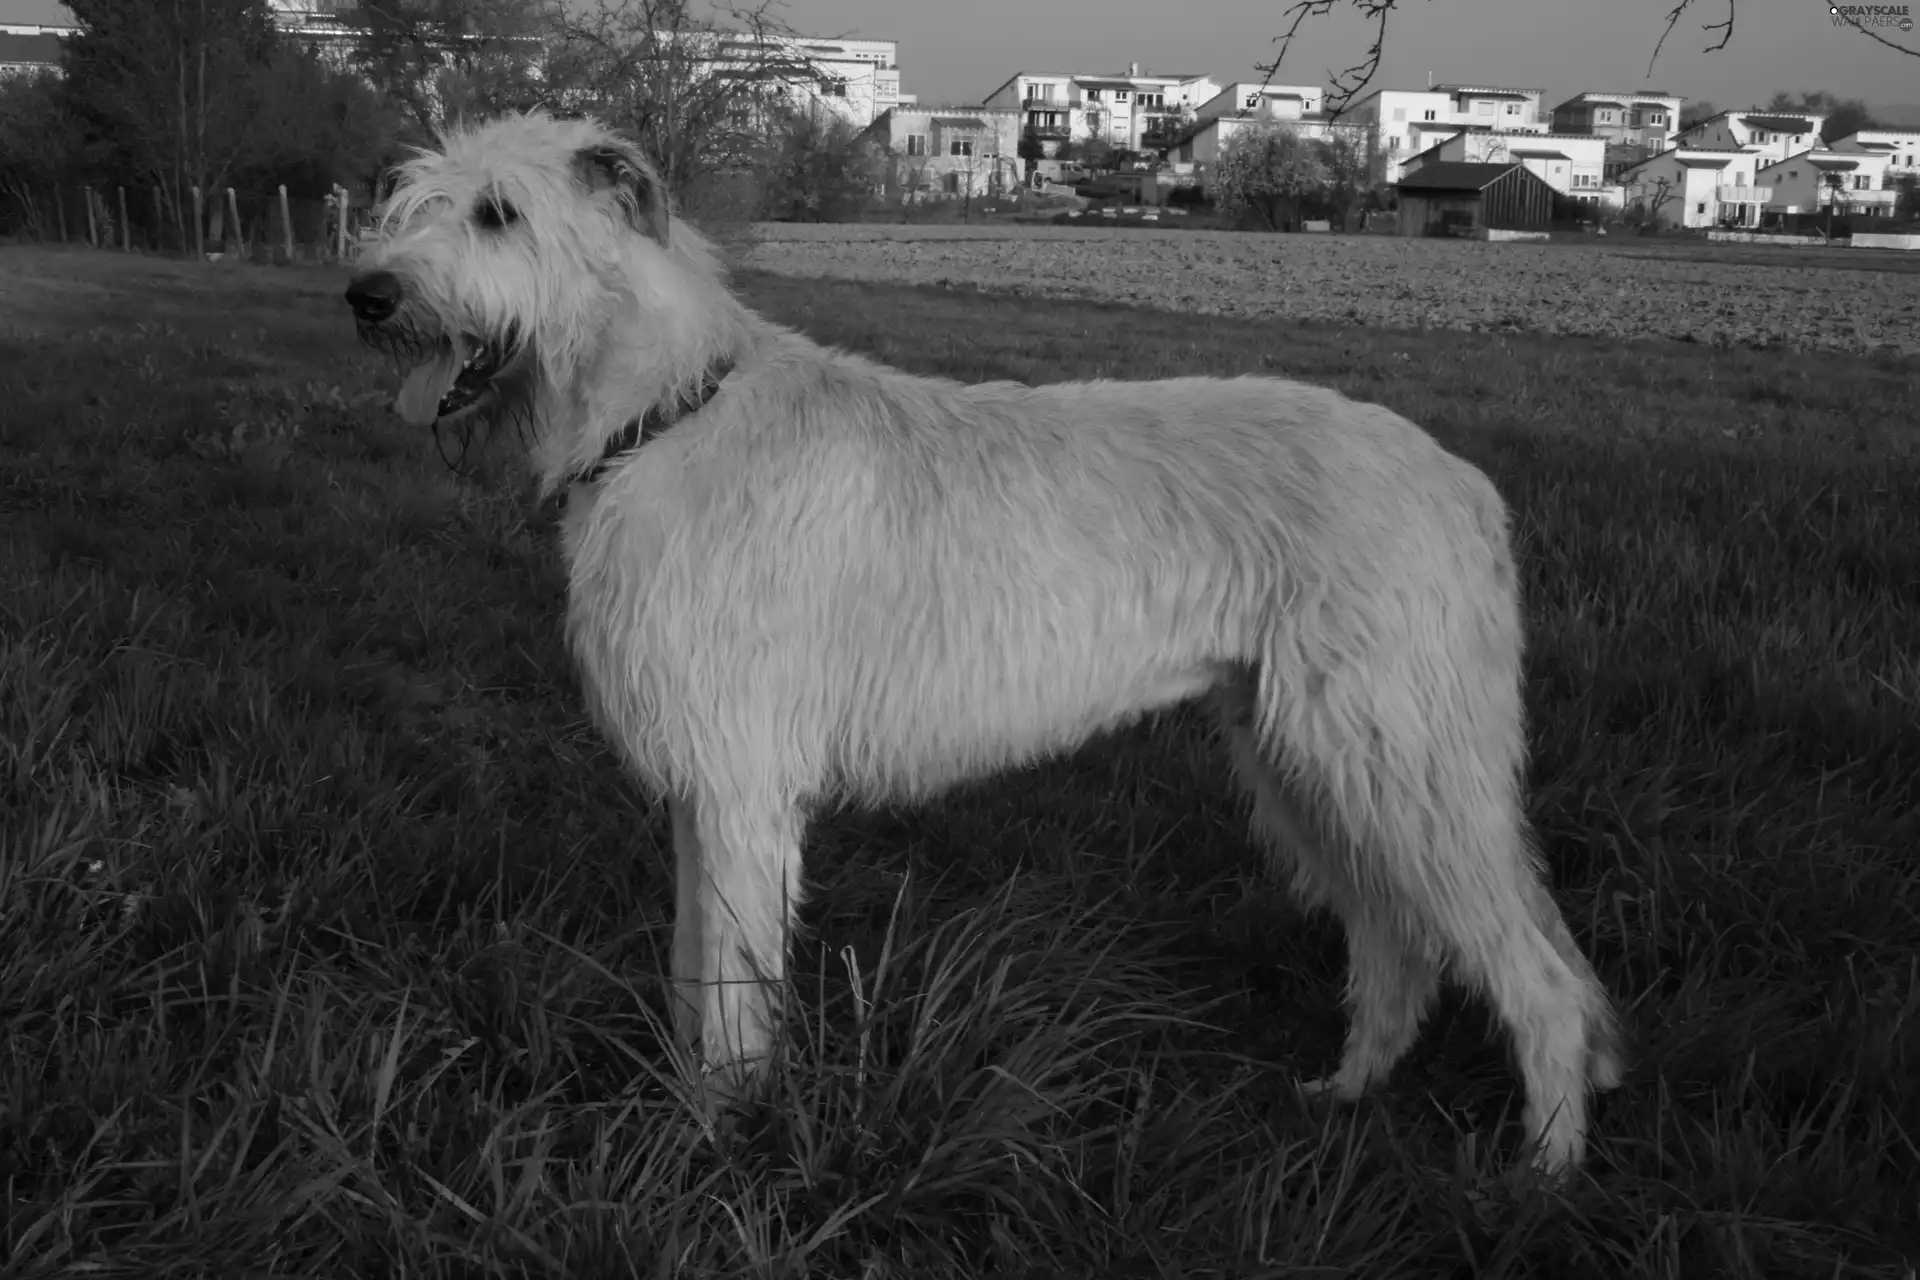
[1347, 85]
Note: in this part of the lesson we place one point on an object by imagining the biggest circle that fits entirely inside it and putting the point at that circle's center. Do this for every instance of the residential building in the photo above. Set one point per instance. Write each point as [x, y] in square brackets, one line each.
[1773, 135]
[1203, 141]
[1900, 146]
[1282, 101]
[947, 151]
[1848, 182]
[1648, 119]
[857, 80]
[1572, 164]
[1698, 187]
[1405, 122]
[1128, 110]
[1634, 125]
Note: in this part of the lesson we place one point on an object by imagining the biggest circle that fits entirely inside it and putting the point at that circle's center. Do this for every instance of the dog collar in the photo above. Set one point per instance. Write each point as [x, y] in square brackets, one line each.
[657, 419]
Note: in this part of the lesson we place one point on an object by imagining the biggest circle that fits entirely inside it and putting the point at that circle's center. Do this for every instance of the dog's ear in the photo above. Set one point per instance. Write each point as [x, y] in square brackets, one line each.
[621, 169]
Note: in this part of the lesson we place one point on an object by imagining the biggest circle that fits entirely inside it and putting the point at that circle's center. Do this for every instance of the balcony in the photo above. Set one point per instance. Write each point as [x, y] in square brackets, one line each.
[1727, 193]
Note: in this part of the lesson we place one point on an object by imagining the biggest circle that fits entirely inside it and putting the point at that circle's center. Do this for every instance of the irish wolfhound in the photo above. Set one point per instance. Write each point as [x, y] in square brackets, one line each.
[796, 574]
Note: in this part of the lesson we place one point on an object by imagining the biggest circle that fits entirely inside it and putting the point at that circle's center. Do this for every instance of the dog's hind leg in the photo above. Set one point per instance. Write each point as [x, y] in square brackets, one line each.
[1392, 977]
[746, 899]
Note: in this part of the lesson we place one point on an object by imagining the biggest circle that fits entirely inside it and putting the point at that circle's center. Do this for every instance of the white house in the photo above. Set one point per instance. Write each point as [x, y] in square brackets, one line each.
[1845, 181]
[1203, 142]
[1571, 163]
[857, 80]
[1698, 187]
[1900, 146]
[1282, 101]
[1405, 122]
[1648, 119]
[1129, 109]
[1772, 134]
[947, 151]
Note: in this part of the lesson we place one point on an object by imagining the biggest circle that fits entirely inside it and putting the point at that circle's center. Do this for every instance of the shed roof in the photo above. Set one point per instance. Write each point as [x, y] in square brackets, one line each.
[1456, 175]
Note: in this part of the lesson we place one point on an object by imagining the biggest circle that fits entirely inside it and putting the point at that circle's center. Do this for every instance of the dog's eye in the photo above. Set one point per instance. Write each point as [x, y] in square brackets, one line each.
[494, 214]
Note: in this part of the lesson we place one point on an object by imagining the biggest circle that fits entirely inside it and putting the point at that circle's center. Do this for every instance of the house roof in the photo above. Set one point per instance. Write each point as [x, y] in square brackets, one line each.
[1457, 175]
[1608, 96]
[1103, 82]
[961, 122]
[1778, 124]
[1486, 90]
[1538, 153]
[1826, 162]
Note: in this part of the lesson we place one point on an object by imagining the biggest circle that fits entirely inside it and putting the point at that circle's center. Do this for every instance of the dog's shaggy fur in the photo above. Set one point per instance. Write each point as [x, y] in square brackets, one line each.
[832, 579]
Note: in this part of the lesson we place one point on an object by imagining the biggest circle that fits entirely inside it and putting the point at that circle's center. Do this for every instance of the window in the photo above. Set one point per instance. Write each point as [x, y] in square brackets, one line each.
[1484, 108]
[1119, 95]
[1093, 95]
[1606, 117]
[1253, 100]
[1792, 174]
[1701, 207]
[960, 147]
[1658, 117]
[1762, 137]
[1513, 108]
[1428, 115]
[916, 144]
[1862, 183]
[1400, 115]
[952, 181]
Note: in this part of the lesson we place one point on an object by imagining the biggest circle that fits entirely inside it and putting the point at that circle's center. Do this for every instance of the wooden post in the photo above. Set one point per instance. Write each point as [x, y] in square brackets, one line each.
[231, 232]
[199, 224]
[286, 223]
[126, 228]
[158, 224]
[93, 223]
[60, 211]
[340, 233]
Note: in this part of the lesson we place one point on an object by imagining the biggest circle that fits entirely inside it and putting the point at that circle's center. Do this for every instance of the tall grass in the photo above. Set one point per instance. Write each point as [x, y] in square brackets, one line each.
[330, 934]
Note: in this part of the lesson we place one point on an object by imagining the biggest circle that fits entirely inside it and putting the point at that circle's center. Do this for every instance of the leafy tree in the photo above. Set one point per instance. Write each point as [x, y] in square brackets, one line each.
[1265, 170]
[1694, 112]
[1843, 115]
[36, 135]
[1352, 171]
[171, 90]
[816, 169]
[439, 60]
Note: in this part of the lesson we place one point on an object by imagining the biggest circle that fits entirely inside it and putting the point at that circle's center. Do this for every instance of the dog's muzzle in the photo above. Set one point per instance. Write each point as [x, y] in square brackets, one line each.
[451, 371]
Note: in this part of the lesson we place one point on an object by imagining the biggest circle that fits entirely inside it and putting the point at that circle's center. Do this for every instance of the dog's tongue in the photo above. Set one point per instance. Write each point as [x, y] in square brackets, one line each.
[419, 401]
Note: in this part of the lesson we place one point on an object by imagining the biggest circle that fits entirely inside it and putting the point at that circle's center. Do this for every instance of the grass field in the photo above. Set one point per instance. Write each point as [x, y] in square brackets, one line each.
[330, 933]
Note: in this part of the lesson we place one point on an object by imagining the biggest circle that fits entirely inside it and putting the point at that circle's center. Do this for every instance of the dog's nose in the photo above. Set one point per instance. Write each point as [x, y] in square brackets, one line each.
[374, 296]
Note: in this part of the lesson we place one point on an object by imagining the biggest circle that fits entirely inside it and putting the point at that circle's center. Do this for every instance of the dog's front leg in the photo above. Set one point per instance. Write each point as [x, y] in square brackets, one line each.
[686, 922]
[747, 895]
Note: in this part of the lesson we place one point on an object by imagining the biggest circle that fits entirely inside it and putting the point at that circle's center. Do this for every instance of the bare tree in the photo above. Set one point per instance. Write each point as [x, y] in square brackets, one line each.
[1348, 85]
[1351, 168]
[701, 87]
[1647, 196]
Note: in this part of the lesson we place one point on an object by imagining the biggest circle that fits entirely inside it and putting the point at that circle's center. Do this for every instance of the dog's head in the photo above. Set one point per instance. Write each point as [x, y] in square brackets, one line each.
[501, 259]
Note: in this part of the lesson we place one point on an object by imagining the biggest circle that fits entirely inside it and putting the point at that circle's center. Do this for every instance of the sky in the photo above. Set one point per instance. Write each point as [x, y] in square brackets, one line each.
[960, 50]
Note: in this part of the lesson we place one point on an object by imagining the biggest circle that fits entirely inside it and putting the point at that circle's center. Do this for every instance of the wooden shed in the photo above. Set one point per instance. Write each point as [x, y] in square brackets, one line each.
[1451, 197]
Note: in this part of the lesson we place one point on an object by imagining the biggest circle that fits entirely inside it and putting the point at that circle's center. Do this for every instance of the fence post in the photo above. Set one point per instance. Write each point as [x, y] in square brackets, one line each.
[199, 223]
[286, 223]
[93, 223]
[158, 224]
[340, 232]
[60, 211]
[231, 232]
[126, 228]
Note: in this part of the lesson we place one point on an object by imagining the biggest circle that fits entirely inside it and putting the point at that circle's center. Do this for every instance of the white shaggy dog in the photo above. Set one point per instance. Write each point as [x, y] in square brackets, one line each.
[797, 574]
